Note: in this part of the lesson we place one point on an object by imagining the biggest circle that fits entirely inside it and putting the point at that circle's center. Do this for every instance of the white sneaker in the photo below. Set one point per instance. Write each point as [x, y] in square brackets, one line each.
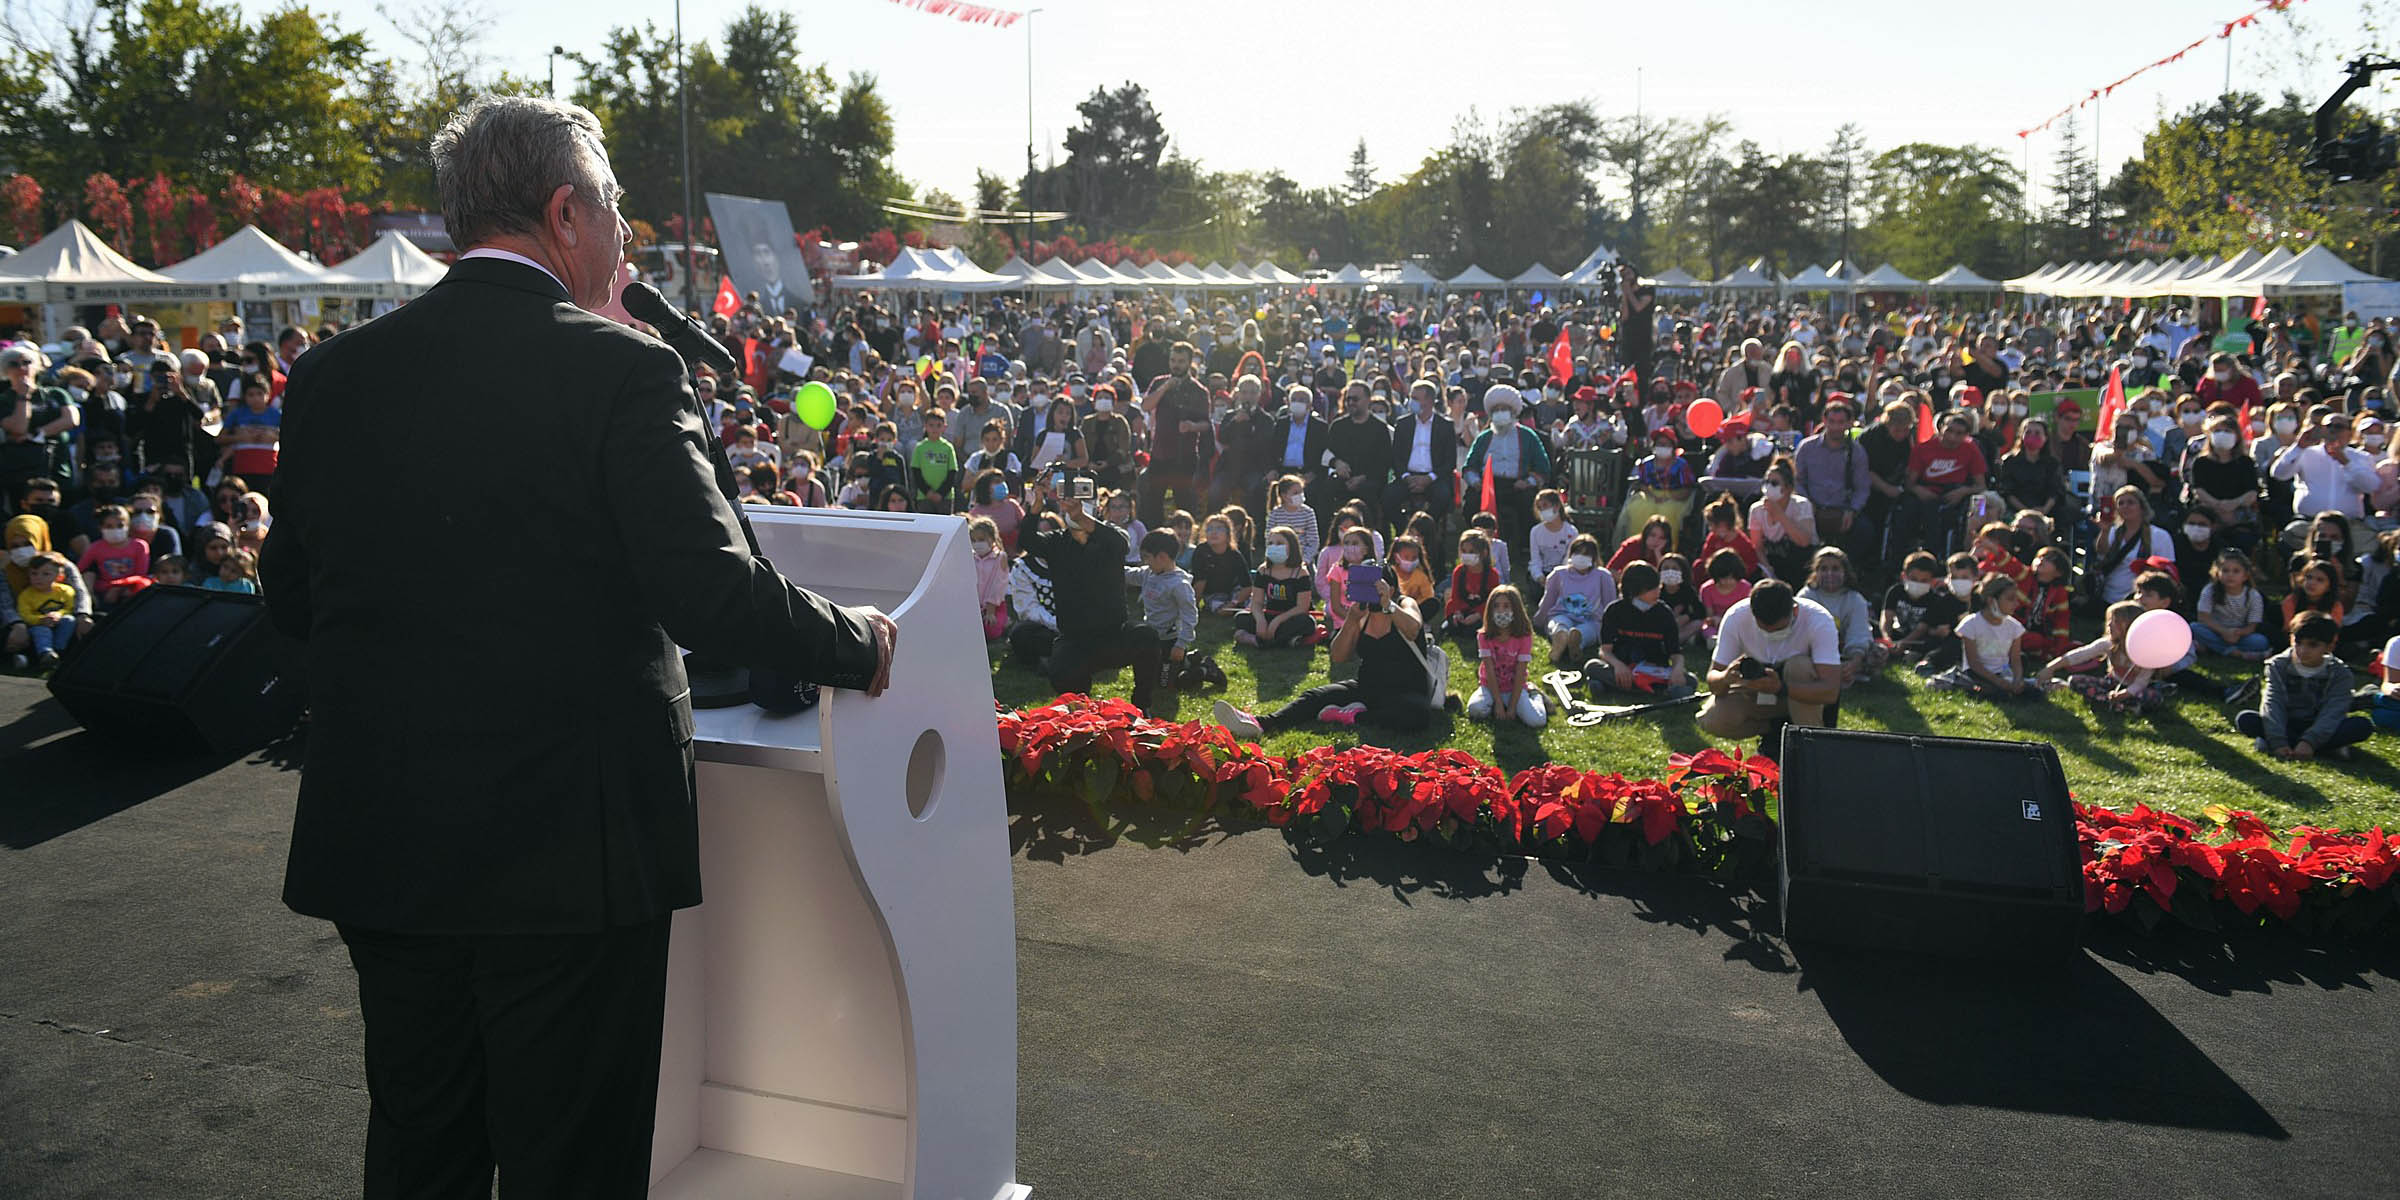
[1241, 723]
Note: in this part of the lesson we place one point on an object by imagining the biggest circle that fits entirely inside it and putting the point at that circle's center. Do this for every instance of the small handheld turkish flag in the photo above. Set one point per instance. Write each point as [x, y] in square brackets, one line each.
[2112, 402]
[729, 301]
[1562, 360]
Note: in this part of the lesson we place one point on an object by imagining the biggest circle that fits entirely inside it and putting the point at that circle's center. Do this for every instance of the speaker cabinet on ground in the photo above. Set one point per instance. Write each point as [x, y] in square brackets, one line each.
[182, 668]
[1937, 845]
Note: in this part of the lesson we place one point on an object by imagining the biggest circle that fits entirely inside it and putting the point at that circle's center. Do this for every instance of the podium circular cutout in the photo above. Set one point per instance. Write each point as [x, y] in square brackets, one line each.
[926, 762]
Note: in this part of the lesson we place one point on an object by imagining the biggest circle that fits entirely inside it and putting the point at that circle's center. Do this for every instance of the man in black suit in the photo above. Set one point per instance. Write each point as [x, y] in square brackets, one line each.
[497, 805]
[1424, 459]
[1246, 447]
[1296, 446]
[1361, 447]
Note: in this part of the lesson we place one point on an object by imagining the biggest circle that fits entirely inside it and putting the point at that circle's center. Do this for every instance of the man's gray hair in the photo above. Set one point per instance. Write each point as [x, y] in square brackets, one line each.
[497, 162]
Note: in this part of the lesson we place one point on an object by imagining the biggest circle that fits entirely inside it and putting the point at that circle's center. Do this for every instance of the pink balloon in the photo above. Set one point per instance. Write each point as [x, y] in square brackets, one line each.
[2158, 639]
[1704, 417]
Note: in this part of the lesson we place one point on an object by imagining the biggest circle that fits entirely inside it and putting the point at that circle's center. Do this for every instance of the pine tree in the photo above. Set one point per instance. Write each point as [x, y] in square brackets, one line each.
[1360, 180]
[2072, 221]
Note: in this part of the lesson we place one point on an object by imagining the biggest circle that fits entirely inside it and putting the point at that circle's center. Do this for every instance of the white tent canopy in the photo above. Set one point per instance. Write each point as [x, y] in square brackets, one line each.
[1889, 278]
[1268, 272]
[1474, 277]
[1961, 279]
[1410, 275]
[2314, 271]
[1587, 272]
[1752, 278]
[1219, 277]
[1537, 276]
[929, 270]
[393, 265]
[1189, 274]
[74, 266]
[1814, 279]
[1674, 279]
[1350, 276]
[260, 268]
[1055, 273]
[1026, 275]
[1158, 271]
[1095, 273]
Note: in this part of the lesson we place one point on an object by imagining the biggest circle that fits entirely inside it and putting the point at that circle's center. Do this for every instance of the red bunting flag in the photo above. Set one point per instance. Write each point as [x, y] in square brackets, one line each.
[2112, 402]
[729, 301]
[2258, 309]
[971, 14]
[1562, 359]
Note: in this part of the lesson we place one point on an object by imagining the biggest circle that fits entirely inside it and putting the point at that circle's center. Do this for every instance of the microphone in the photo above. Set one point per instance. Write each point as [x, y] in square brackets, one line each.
[690, 338]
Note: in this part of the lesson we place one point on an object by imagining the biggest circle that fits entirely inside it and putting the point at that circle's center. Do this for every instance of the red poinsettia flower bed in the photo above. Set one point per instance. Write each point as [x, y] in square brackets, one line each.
[1711, 813]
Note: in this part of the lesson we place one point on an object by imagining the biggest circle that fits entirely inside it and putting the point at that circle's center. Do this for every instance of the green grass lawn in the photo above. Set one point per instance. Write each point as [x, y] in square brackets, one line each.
[2183, 759]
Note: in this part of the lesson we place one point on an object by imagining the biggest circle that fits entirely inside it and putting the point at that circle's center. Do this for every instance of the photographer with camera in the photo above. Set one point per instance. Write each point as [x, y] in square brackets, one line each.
[1086, 557]
[1778, 660]
[1393, 690]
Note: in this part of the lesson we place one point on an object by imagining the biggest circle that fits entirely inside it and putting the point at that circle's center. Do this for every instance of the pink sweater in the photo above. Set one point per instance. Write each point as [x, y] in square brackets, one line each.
[1502, 662]
[991, 578]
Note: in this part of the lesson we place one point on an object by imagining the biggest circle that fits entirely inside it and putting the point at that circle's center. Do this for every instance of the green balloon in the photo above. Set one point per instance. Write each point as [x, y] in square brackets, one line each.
[815, 404]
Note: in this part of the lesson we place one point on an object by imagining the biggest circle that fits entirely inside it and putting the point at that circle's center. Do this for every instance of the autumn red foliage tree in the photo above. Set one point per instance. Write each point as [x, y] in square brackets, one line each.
[105, 203]
[21, 199]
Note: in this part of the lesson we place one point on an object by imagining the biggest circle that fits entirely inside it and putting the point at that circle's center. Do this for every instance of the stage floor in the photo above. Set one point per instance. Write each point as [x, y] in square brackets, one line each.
[1236, 1016]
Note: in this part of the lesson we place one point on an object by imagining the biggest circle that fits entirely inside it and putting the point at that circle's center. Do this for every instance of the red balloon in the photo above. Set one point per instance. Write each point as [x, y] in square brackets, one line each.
[1704, 417]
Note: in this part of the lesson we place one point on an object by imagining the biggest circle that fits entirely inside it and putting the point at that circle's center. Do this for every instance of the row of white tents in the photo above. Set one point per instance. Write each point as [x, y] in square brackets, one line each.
[72, 265]
[2315, 271]
[949, 271]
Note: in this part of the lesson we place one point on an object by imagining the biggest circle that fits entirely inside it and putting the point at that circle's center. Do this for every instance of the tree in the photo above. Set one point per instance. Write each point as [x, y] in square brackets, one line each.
[1359, 181]
[2070, 224]
[1939, 205]
[763, 123]
[1845, 167]
[1111, 172]
[136, 87]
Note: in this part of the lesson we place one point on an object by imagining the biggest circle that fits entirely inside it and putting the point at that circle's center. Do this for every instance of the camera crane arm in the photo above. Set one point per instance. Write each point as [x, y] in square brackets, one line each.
[2361, 71]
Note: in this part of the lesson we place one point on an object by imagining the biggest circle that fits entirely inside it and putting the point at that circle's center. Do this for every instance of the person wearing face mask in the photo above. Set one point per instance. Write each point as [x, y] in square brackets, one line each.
[1574, 596]
[1515, 458]
[2030, 476]
[1359, 449]
[2223, 481]
[33, 421]
[1640, 646]
[2226, 380]
[1783, 523]
[1829, 585]
[1108, 441]
[2327, 474]
[24, 540]
[1423, 460]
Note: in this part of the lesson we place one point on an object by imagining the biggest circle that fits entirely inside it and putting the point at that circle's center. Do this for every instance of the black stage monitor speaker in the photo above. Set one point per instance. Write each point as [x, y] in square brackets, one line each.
[1938, 845]
[183, 668]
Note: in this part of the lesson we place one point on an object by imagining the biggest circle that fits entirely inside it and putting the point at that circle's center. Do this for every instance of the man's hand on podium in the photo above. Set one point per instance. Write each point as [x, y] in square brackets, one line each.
[887, 643]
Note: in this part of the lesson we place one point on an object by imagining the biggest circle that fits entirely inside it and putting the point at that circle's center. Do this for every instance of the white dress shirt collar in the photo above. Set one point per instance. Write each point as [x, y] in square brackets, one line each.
[513, 256]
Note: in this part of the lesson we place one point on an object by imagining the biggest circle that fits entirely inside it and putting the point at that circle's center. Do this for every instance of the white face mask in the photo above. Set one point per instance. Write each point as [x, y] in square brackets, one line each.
[1580, 562]
[1773, 490]
[116, 534]
[1503, 418]
[1962, 588]
[1547, 514]
[1470, 561]
[2222, 439]
[2375, 441]
[2224, 376]
[1670, 578]
[2198, 533]
[2189, 420]
[1103, 404]
[2285, 425]
[1916, 588]
[23, 554]
[1641, 605]
[1663, 453]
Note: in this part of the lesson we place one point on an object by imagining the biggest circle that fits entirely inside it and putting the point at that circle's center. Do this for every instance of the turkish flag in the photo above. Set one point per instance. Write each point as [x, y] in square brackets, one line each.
[2112, 402]
[754, 366]
[2258, 309]
[729, 301]
[1562, 360]
[1924, 421]
[1490, 503]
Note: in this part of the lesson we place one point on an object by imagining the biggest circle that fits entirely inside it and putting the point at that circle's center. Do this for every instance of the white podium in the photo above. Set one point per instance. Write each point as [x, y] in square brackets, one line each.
[841, 1017]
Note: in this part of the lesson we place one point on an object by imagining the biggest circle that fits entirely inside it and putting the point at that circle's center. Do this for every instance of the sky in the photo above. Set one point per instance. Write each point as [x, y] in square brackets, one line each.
[1273, 84]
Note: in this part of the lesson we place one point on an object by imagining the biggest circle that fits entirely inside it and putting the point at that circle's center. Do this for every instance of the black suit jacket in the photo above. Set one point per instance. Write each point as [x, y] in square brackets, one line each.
[1444, 451]
[500, 735]
[1313, 445]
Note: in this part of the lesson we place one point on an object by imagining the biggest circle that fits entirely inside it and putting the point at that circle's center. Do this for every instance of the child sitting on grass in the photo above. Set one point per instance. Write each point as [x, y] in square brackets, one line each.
[1728, 584]
[238, 573]
[2231, 611]
[1640, 650]
[47, 606]
[1220, 570]
[2049, 611]
[1504, 663]
[1170, 611]
[2316, 587]
[1681, 594]
[2122, 687]
[1471, 584]
[1725, 533]
[2157, 591]
[1919, 611]
[1829, 586]
[1489, 525]
[1547, 542]
[2304, 711]
[1281, 595]
[1991, 645]
[1573, 596]
[1408, 567]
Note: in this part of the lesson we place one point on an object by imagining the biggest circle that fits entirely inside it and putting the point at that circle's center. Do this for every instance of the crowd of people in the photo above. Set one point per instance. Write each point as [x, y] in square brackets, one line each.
[1769, 502]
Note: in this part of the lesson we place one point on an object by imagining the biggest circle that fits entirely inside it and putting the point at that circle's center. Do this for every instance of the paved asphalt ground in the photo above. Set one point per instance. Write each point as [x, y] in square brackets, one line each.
[1233, 1015]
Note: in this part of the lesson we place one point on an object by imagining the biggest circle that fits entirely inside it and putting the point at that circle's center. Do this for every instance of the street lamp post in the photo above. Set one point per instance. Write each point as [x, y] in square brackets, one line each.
[691, 223]
[1025, 194]
[555, 51]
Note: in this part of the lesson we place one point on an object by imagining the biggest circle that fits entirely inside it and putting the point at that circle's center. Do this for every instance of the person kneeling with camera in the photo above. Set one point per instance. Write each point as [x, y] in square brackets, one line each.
[1087, 582]
[1778, 660]
[1393, 690]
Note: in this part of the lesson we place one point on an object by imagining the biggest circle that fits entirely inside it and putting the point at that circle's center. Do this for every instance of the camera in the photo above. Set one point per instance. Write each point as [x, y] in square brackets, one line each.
[1083, 488]
[1750, 667]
